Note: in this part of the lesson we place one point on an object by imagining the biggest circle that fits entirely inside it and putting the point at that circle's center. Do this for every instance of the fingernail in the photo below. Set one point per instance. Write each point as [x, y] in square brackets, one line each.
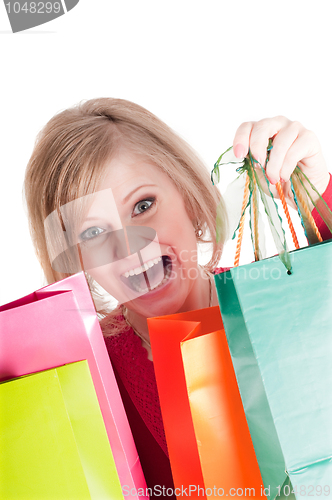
[239, 151]
[272, 181]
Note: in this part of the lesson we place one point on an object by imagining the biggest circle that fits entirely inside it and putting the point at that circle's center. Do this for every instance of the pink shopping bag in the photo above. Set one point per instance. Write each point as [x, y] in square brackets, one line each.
[57, 325]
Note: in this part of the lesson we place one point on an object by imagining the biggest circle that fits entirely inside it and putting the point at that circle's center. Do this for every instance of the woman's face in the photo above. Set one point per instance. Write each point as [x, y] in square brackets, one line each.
[157, 274]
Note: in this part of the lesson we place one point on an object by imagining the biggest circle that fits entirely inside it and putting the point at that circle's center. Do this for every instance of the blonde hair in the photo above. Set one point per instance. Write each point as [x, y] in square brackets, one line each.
[69, 160]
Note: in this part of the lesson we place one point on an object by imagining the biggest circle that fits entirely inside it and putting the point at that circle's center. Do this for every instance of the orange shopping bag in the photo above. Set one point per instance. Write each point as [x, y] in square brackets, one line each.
[208, 438]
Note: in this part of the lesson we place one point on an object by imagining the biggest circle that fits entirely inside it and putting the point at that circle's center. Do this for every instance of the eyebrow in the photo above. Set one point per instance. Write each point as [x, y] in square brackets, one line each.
[129, 195]
[90, 218]
[125, 199]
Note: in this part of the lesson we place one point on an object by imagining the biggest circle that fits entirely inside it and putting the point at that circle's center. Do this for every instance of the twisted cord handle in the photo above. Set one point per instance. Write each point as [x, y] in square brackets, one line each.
[289, 220]
[288, 217]
[241, 227]
[255, 219]
[306, 210]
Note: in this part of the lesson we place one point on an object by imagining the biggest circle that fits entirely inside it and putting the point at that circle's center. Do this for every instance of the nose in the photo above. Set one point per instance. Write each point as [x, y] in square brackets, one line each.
[116, 245]
[119, 245]
[139, 237]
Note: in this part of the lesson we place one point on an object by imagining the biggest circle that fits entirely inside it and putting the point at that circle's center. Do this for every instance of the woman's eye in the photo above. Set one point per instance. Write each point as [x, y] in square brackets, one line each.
[143, 206]
[91, 233]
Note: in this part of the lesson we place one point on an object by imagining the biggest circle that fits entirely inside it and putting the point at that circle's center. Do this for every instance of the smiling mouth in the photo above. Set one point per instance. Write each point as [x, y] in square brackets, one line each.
[149, 276]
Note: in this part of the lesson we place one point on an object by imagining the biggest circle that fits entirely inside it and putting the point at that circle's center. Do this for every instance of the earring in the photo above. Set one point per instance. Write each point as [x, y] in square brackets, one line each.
[198, 232]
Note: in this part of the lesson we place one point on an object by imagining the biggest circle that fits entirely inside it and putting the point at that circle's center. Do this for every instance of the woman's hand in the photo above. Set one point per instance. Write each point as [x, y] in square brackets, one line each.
[292, 145]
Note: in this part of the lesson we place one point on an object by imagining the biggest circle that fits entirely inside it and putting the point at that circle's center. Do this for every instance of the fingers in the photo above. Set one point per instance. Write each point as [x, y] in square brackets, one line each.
[284, 153]
[256, 135]
[291, 143]
[241, 139]
[261, 132]
[290, 146]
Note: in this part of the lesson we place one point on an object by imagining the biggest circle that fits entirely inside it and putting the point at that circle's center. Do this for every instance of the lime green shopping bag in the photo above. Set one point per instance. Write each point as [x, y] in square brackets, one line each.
[53, 442]
[279, 331]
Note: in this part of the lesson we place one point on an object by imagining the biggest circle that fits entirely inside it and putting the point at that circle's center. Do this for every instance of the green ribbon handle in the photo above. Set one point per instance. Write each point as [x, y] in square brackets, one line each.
[298, 177]
[269, 203]
[273, 216]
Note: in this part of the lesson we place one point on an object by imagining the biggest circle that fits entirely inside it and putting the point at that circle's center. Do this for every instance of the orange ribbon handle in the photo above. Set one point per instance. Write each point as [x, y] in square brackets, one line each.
[241, 227]
[255, 219]
[288, 217]
[306, 210]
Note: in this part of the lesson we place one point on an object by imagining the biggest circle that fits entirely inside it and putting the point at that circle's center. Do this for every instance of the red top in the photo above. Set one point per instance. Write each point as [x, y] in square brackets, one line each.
[327, 197]
[137, 384]
[134, 373]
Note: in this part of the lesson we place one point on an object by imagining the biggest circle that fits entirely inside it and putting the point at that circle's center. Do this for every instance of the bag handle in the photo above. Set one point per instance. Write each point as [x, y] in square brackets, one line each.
[242, 220]
[288, 217]
[299, 198]
[250, 198]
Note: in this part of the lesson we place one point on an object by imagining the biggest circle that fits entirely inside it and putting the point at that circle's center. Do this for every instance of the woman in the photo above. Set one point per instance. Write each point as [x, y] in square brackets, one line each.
[133, 200]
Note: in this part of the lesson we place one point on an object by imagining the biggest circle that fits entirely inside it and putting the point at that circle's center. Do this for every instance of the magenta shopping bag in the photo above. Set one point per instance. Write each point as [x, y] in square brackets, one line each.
[57, 325]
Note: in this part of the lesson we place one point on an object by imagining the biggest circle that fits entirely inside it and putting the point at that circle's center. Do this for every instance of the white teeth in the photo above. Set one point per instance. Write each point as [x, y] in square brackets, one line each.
[141, 290]
[159, 284]
[144, 267]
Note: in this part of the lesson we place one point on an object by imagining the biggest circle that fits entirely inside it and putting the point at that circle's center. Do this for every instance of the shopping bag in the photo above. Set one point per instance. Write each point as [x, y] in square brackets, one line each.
[206, 431]
[53, 440]
[276, 317]
[278, 327]
[57, 325]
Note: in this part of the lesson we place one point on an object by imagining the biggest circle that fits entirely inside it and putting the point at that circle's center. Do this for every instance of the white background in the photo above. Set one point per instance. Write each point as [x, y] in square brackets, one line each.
[202, 67]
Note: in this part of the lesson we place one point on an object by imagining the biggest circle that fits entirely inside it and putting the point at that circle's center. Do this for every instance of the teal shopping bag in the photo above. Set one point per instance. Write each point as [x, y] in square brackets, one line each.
[279, 330]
